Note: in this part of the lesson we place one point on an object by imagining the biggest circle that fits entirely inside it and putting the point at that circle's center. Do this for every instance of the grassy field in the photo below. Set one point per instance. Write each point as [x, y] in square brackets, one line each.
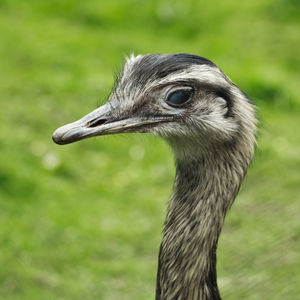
[84, 221]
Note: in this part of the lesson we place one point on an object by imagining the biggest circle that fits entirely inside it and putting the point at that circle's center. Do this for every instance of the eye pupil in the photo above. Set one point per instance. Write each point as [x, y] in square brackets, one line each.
[179, 97]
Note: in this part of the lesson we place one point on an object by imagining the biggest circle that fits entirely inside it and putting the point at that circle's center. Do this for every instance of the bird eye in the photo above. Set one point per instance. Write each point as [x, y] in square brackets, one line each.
[179, 97]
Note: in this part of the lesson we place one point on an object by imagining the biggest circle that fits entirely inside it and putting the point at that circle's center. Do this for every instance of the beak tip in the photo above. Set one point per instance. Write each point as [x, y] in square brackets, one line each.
[68, 133]
[58, 136]
[57, 139]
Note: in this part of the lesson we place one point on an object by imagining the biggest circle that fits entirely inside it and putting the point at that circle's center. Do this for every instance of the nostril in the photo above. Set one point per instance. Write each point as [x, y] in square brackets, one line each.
[96, 123]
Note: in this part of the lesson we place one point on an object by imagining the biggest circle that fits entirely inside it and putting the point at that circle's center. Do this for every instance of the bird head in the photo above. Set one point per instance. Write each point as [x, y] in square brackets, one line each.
[184, 98]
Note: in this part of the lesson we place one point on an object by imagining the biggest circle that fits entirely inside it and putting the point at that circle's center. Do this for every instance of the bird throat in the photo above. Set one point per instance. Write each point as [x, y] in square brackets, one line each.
[203, 192]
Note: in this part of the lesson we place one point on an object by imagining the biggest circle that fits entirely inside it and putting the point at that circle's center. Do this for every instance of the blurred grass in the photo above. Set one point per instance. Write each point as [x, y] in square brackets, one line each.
[84, 221]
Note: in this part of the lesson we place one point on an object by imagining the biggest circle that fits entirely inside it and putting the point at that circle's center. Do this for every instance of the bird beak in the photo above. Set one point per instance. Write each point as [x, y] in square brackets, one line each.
[100, 122]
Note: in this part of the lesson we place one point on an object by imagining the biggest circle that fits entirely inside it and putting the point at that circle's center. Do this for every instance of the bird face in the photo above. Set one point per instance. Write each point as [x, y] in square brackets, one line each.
[181, 97]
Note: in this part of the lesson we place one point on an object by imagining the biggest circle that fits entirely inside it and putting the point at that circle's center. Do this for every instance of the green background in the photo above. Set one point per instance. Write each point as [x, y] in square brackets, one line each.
[84, 221]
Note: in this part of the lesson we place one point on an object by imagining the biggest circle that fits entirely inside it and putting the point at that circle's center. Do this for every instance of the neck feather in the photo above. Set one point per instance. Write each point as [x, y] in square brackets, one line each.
[204, 189]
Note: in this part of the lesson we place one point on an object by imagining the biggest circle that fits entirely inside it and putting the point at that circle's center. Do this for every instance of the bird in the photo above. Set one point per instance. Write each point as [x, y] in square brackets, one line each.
[210, 124]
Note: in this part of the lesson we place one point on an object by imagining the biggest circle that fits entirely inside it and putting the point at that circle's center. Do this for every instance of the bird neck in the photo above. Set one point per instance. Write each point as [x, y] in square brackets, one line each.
[204, 189]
